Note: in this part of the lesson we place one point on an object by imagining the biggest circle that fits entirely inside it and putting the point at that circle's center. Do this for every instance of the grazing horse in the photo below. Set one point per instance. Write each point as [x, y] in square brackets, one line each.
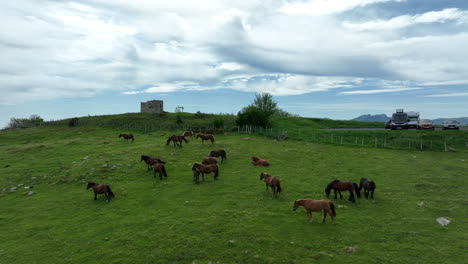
[339, 186]
[205, 137]
[369, 187]
[256, 161]
[177, 140]
[188, 134]
[159, 168]
[196, 175]
[209, 160]
[151, 161]
[206, 169]
[127, 137]
[101, 189]
[327, 206]
[273, 182]
[218, 153]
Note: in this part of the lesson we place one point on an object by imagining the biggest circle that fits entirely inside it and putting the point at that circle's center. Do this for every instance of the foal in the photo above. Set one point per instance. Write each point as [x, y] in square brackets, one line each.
[273, 182]
[127, 137]
[159, 168]
[206, 169]
[256, 161]
[369, 187]
[101, 189]
[327, 206]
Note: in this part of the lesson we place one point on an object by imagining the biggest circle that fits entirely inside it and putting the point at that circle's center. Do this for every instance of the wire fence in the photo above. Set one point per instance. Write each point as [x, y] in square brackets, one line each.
[368, 139]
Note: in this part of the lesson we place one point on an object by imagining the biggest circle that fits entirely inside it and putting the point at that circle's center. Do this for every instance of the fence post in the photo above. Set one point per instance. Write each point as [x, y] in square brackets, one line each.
[431, 144]
[445, 145]
[421, 144]
[355, 141]
[363, 141]
[376, 142]
[385, 143]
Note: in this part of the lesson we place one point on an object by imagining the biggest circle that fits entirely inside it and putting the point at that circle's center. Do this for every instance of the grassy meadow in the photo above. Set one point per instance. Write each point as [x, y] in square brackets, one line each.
[231, 220]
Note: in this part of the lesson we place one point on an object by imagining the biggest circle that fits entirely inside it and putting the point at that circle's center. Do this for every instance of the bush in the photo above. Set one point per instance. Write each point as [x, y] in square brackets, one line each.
[252, 116]
[32, 121]
[73, 122]
[218, 122]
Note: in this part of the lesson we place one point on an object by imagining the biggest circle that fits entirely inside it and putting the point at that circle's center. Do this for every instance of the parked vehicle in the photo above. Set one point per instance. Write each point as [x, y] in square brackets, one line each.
[451, 124]
[425, 124]
[413, 120]
[399, 120]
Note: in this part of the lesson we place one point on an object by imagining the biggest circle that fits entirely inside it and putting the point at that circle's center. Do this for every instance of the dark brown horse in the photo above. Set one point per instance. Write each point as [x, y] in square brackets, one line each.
[150, 161]
[339, 186]
[177, 140]
[212, 168]
[188, 134]
[368, 185]
[256, 161]
[273, 182]
[196, 175]
[218, 153]
[127, 137]
[101, 189]
[209, 160]
[327, 206]
[205, 137]
[159, 168]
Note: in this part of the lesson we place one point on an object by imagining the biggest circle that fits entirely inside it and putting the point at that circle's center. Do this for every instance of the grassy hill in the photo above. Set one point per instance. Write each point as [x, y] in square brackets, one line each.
[231, 220]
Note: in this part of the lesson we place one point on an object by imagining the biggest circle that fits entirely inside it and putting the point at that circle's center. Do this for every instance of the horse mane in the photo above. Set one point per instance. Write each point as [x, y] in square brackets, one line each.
[255, 158]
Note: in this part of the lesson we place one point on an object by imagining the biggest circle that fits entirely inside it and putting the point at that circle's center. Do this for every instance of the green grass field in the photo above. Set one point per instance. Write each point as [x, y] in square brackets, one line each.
[231, 220]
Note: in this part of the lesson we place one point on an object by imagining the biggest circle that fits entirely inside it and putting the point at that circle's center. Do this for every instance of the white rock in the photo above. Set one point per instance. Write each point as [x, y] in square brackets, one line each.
[421, 203]
[443, 221]
[31, 193]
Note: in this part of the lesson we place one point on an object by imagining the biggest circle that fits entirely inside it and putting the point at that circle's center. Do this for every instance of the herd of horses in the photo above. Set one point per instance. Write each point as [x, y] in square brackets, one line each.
[210, 165]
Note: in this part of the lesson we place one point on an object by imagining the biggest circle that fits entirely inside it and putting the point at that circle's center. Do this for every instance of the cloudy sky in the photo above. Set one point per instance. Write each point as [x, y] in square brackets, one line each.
[319, 58]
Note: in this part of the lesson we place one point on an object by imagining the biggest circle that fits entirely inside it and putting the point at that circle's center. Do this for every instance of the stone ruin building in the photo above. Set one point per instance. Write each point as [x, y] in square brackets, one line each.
[154, 106]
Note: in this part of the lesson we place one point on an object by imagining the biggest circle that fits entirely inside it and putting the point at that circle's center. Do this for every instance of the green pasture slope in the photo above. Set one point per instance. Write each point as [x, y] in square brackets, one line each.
[231, 220]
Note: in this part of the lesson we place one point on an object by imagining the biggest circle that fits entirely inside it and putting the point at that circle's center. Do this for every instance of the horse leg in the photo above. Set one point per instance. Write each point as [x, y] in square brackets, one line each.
[266, 184]
[351, 196]
[366, 193]
[309, 213]
[341, 196]
[160, 175]
[324, 216]
[372, 194]
[335, 193]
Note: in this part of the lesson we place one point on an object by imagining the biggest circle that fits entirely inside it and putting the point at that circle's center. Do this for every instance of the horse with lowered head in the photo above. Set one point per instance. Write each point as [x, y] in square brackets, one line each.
[127, 137]
[368, 185]
[205, 137]
[188, 134]
[256, 161]
[327, 206]
[339, 186]
[150, 161]
[273, 182]
[218, 153]
[177, 140]
[101, 189]
[212, 168]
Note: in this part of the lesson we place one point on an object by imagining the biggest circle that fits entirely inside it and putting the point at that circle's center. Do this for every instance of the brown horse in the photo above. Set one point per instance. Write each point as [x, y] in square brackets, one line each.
[206, 169]
[177, 140]
[196, 175]
[256, 161]
[101, 189]
[273, 182]
[327, 206]
[159, 168]
[218, 153]
[151, 161]
[127, 137]
[188, 134]
[369, 187]
[205, 137]
[339, 186]
[209, 160]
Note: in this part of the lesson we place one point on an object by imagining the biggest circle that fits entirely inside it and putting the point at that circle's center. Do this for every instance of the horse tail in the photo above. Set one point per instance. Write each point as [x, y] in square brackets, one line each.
[216, 171]
[168, 140]
[356, 188]
[332, 207]
[163, 170]
[184, 139]
[109, 191]
[372, 185]
[278, 187]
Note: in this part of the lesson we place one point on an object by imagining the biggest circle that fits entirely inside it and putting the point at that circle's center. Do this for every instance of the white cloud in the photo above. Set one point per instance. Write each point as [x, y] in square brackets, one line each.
[326, 7]
[376, 91]
[448, 95]
[406, 20]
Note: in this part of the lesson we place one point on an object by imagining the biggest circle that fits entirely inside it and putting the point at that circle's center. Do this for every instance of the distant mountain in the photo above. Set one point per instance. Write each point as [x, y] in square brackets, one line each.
[372, 118]
[462, 120]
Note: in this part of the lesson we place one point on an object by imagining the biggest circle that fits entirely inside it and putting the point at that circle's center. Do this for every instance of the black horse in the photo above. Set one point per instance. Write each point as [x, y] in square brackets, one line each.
[368, 185]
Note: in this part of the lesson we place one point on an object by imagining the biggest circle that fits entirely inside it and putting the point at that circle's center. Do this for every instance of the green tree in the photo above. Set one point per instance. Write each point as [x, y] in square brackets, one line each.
[259, 112]
[265, 103]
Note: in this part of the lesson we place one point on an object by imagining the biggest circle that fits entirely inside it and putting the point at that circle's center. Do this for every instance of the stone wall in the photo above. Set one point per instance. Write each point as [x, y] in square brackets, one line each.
[155, 106]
